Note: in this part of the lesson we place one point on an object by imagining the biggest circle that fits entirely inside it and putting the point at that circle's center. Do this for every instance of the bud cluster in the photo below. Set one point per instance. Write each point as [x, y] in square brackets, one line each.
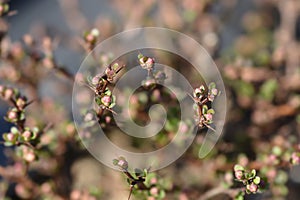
[249, 179]
[91, 38]
[202, 96]
[154, 76]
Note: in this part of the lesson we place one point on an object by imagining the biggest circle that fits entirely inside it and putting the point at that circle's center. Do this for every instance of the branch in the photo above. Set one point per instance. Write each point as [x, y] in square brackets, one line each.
[220, 190]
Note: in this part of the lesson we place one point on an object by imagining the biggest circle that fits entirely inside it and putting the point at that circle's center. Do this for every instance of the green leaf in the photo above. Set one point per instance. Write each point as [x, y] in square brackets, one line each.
[252, 174]
[204, 109]
[14, 130]
[115, 161]
[239, 196]
[138, 172]
[22, 116]
[212, 85]
[277, 150]
[238, 168]
[162, 194]
[98, 101]
[107, 92]
[8, 144]
[140, 56]
[268, 89]
[115, 66]
[256, 180]
[211, 111]
[243, 88]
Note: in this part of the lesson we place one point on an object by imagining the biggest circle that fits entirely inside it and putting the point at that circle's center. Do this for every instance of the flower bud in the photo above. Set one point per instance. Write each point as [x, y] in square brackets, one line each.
[8, 94]
[239, 174]
[123, 164]
[10, 137]
[12, 115]
[4, 8]
[106, 100]
[146, 62]
[107, 119]
[153, 180]
[208, 116]
[295, 158]
[89, 37]
[252, 188]
[154, 191]
[27, 135]
[95, 32]
[28, 154]
[148, 83]
[48, 62]
[96, 79]
[199, 91]
[21, 102]
[214, 91]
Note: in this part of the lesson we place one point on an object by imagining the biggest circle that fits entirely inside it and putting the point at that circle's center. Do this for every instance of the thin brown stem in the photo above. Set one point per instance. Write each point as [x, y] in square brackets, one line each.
[220, 190]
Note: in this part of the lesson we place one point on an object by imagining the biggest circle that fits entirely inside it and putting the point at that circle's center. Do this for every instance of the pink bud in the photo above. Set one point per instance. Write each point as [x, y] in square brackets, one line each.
[149, 82]
[146, 63]
[88, 117]
[295, 159]
[211, 97]
[154, 191]
[153, 180]
[10, 137]
[21, 102]
[29, 156]
[90, 37]
[8, 93]
[208, 116]
[107, 119]
[252, 188]
[238, 174]
[106, 100]
[123, 163]
[214, 91]
[75, 195]
[27, 134]
[183, 128]
[109, 72]
[96, 80]
[12, 115]
[48, 63]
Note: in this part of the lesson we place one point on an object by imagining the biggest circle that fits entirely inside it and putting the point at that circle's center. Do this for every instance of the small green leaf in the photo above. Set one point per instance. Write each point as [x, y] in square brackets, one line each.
[22, 116]
[256, 180]
[277, 150]
[138, 172]
[238, 168]
[14, 130]
[253, 173]
[268, 89]
[115, 66]
[162, 194]
[204, 109]
[211, 111]
[108, 92]
[98, 101]
[8, 144]
[212, 85]
[140, 56]
[115, 161]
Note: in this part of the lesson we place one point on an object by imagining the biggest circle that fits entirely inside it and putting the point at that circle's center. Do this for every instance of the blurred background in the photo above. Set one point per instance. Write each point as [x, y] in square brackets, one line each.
[254, 43]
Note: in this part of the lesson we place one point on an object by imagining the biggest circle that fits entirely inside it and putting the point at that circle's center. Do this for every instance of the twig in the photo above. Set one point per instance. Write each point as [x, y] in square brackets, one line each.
[220, 190]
